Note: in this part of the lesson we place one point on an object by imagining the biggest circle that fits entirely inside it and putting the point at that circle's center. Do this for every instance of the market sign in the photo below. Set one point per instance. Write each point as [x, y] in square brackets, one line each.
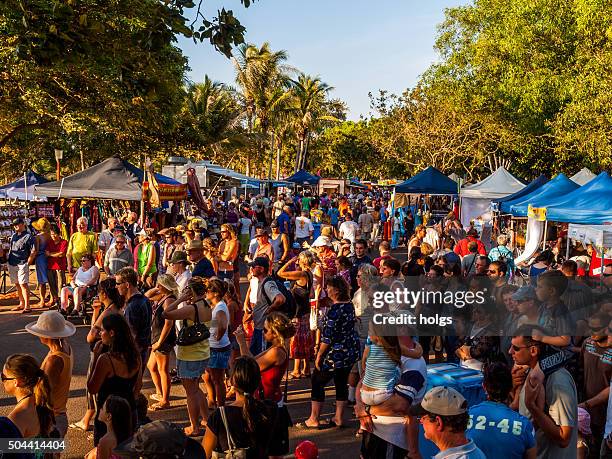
[538, 213]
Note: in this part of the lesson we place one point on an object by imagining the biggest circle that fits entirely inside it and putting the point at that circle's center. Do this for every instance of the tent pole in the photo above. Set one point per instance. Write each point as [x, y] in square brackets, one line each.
[567, 248]
[25, 185]
[601, 268]
[545, 234]
[142, 203]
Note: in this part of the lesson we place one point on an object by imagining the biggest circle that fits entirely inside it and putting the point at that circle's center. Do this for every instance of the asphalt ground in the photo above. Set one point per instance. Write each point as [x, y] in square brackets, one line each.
[332, 443]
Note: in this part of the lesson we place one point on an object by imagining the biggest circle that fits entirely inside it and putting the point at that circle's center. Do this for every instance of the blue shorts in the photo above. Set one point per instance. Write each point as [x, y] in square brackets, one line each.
[191, 369]
[219, 358]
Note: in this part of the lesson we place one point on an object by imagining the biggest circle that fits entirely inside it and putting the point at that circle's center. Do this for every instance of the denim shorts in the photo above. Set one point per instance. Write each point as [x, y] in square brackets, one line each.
[219, 358]
[191, 369]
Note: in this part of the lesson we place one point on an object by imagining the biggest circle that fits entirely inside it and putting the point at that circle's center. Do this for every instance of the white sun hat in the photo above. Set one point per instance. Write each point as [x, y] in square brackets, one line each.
[51, 324]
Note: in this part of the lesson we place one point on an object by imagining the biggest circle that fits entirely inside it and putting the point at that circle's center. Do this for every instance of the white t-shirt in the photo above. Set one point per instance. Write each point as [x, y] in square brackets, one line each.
[349, 230]
[224, 341]
[246, 225]
[303, 227]
[254, 284]
[277, 208]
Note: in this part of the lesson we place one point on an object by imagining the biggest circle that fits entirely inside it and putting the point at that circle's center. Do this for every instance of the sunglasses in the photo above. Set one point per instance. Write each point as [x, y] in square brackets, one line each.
[490, 271]
[83, 260]
[6, 378]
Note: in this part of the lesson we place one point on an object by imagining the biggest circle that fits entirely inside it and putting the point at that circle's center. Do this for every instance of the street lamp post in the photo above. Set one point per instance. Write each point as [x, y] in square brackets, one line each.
[59, 154]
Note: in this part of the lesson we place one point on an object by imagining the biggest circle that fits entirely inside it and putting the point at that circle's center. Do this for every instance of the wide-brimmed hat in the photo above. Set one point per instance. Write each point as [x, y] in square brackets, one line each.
[526, 292]
[263, 262]
[194, 245]
[42, 224]
[321, 241]
[51, 324]
[168, 282]
[178, 256]
[260, 232]
[159, 439]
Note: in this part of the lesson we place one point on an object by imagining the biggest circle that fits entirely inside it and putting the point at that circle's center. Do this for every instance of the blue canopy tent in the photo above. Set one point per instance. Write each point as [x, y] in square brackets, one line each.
[23, 188]
[505, 202]
[302, 177]
[429, 181]
[560, 186]
[591, 204]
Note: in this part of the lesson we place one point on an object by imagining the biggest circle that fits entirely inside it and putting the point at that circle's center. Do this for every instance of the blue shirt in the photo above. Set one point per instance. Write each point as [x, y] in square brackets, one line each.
[203, 268]
[139, 315]
[334, 215]
[467, 451]
[282, 219]
[21, 248]
[500, 431]
[339, 333]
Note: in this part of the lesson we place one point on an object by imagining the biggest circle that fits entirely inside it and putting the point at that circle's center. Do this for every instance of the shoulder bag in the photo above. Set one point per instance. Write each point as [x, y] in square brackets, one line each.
[232, 452]
[195, 333]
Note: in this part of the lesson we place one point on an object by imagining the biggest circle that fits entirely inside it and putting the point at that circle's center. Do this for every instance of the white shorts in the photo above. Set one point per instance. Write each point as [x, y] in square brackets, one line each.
[20, 274]
[375, 397]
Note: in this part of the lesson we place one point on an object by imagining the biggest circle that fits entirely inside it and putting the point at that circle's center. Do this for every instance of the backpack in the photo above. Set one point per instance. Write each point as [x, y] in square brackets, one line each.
[289, 307]
[503, 257]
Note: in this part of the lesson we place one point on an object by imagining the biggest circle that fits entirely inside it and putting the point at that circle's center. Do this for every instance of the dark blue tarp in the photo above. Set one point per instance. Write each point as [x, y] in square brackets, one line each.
[543, 196]
[507, 201]
[16, 190]
[429, 181]
[591, 204]
[113, 178]
[302, 177]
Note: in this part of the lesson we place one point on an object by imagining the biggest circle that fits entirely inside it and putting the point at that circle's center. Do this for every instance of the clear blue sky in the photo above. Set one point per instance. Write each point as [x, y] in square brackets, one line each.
[355, 46]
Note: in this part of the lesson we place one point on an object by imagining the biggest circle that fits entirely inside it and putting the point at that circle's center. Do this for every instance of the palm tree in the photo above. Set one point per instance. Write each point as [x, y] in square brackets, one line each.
[311, 110]
[211, 116]
[262, 79]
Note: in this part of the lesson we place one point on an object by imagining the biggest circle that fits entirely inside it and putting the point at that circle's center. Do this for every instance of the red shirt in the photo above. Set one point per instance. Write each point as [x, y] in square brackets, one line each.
[461, 248]
[57, 263]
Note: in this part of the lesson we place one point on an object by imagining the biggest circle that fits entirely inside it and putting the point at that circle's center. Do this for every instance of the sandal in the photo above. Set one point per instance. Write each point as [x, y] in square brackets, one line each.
[197, 433]
[25, 311]
[77, 425]
[17, 308]
[159, 406]
[331, 424]
[156, 397]
[304, 426]
[291, 376]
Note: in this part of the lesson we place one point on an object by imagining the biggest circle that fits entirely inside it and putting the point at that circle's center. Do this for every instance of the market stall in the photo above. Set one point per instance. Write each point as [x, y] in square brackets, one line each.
[302, 177]
[476, 199]
[503, 204]
[583, 176]
[600, 237]
[541, 197]
[22, 189]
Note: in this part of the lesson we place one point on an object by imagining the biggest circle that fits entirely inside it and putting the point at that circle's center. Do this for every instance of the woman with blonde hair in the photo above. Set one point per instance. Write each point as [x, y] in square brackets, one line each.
[163, 339]
[210, 252]
[43, 227]
[228, 252]
[302, 344]
[32, 415]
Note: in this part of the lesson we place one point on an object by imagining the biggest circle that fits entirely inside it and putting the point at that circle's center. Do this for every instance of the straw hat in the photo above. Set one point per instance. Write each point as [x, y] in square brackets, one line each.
[168, 282]
[51, 324]
[42, 225]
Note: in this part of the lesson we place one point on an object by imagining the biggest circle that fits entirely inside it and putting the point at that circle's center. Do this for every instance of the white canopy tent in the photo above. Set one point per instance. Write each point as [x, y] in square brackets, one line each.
[600, 237]
[476, 199]
[583, 176]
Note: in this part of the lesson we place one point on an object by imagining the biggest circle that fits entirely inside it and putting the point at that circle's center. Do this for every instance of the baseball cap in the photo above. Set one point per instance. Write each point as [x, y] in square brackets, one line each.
[264, 262]
[18, 221]
[441, 400]
[260, 232]
[160, 439]
[526, 292]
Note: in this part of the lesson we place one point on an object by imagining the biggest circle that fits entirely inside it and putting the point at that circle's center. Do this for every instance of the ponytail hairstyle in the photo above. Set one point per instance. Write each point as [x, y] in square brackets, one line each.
[121, 417]
[123, 343]
[231, 291]
[246, 379]
[281, 327]
[109, 287]
[26, 369]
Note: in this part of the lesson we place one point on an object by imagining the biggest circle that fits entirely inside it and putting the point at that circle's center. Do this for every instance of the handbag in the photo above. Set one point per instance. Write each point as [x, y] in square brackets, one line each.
[192, 334]
[313, 319]
[232, 452]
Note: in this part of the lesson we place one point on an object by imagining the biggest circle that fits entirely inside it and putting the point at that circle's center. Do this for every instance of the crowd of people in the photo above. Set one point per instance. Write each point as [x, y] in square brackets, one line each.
[168, 300]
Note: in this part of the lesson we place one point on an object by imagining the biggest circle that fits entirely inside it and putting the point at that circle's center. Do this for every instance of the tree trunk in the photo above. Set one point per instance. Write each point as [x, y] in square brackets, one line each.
[298, 157]
[278, 155]
[248, 152]
[305, 154]
[271, 155]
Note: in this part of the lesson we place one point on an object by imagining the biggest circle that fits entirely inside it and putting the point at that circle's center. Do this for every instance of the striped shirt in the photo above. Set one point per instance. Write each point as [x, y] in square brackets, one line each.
[381, 371]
